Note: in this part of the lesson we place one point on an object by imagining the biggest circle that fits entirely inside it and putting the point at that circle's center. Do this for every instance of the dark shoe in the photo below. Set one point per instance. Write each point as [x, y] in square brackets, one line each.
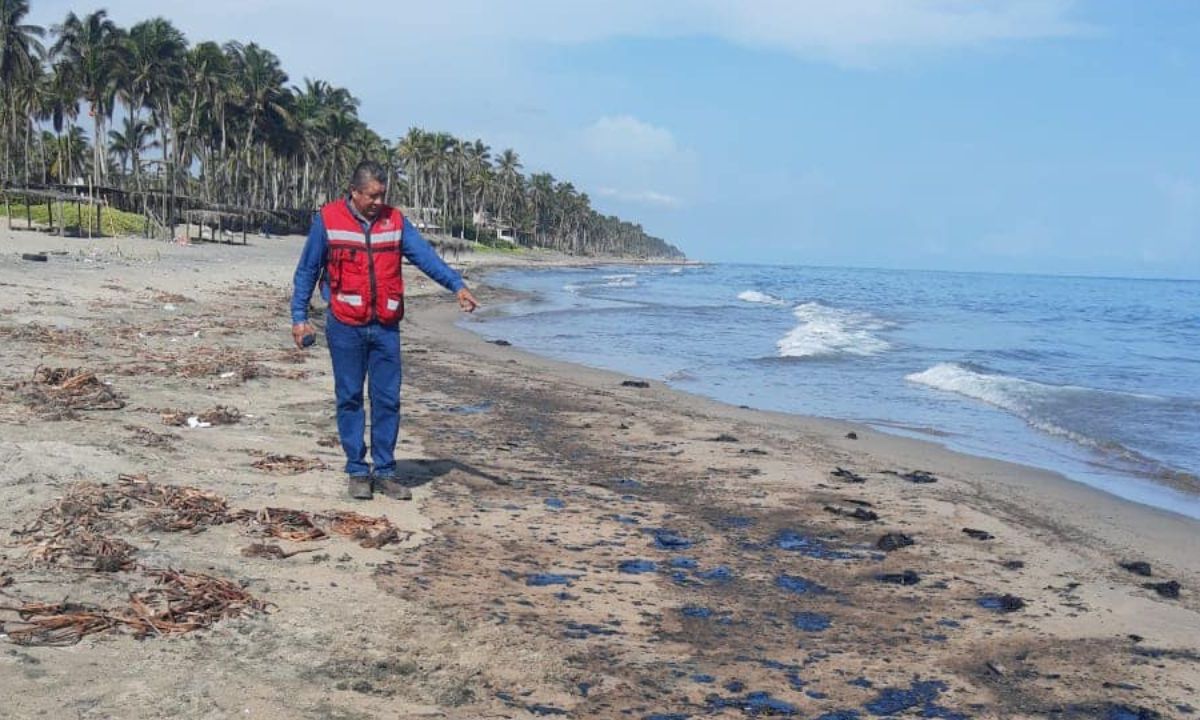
[360, 487]
[393, 487]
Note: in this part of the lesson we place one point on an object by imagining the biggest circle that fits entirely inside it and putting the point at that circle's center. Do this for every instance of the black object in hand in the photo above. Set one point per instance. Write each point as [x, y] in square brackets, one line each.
[308, 339]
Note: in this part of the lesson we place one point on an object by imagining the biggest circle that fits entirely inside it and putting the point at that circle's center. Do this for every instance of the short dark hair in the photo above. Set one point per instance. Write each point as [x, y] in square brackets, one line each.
[366, 171]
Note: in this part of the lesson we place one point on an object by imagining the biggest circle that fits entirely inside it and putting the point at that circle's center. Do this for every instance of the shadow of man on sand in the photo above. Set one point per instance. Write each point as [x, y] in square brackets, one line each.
[416, 473]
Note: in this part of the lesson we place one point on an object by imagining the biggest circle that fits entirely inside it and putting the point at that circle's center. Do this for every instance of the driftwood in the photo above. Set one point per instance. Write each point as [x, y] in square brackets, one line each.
[78, 527]
[180, 602]
[58, 392]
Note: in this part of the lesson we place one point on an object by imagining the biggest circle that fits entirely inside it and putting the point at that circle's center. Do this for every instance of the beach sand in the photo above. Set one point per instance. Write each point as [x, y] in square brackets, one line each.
[576, 547]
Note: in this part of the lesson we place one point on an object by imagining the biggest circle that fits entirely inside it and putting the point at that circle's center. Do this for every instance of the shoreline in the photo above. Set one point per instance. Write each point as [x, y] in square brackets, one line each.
[1174, 492]
[575, 547]
[1138, 523]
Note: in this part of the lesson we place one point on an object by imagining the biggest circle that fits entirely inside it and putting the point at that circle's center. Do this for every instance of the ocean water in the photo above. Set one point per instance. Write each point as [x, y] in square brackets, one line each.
[1096, 378]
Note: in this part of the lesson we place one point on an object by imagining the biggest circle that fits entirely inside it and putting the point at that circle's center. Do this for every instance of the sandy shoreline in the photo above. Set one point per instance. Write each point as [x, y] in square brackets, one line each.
[516, 589]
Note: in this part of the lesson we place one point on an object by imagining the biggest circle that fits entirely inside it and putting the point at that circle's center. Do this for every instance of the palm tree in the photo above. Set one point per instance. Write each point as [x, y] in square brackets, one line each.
[69, 154]
[130, 143]
[58, 103]
[508, 167]
[208, 78]
[413, 151]
[155, 63]
[479, 179]
[93, 49]
[232, 132]
[20, 58]
[261, 94]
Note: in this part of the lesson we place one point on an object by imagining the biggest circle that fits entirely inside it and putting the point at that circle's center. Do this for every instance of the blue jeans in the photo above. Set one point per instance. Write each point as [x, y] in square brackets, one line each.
[359, 352]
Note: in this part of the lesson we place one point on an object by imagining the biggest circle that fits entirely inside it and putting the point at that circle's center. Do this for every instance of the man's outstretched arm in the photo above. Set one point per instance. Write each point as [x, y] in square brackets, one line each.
[419, 252]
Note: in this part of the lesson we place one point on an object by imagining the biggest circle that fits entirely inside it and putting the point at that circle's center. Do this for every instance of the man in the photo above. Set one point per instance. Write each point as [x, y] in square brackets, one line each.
[355, 248]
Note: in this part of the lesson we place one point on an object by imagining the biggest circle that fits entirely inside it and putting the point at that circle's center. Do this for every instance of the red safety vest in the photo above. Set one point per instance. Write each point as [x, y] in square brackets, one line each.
[365, 283]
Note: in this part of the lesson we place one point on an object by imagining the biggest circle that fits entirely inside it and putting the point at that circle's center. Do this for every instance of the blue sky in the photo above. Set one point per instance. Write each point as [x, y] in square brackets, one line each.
[1029, 135]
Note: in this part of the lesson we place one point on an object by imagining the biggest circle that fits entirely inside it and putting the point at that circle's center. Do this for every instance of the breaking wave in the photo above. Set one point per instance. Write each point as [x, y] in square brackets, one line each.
[1087, 416]
[827, 331]
[624, 280]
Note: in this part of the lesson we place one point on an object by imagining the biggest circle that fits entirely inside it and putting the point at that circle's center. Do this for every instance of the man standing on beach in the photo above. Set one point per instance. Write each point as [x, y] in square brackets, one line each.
[355, 248]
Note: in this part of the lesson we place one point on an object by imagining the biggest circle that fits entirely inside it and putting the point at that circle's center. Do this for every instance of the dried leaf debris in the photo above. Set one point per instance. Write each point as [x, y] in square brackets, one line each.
[179, 602]
[287, 464]
[77, 534]
[56, 393]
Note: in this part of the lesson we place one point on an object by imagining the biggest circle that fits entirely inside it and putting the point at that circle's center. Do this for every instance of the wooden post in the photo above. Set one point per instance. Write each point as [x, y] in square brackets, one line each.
[78, 216]
[243, 229]
[8, 204]
[50, 213]
[220, 227]
[99, 230]
[28, 214]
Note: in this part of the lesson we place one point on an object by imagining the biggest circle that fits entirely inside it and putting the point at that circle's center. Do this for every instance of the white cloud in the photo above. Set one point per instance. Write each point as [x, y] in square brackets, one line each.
[627, 156]
[857, 32]
[628, 137]
[846, 32]
[645, 197]
[861, 32]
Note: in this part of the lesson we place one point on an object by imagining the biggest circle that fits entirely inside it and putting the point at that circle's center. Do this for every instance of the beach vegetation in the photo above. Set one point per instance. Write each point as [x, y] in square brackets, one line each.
[67, 216]
[142, 119]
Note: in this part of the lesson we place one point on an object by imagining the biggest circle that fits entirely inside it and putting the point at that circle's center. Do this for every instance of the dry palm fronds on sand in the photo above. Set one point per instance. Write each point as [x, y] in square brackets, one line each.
[174, 418]
[220, 415]
[287, 464]
[175, 508]
[84, 506]
[174, 298]
[287, 524]
[58, 392]
[370, 532]
[106, 554]
[300, 526]
[77, 388]
[90, 507]
[180, 602]
[43, 335]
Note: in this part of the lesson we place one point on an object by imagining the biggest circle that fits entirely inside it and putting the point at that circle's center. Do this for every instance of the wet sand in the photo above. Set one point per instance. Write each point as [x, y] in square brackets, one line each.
[576, 547]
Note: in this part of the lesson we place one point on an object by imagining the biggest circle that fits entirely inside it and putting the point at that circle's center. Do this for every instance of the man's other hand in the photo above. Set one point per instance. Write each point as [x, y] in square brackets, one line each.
[299, 331]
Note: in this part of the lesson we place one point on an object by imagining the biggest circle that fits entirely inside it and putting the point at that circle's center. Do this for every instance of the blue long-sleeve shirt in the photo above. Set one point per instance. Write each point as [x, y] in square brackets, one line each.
[416, 249]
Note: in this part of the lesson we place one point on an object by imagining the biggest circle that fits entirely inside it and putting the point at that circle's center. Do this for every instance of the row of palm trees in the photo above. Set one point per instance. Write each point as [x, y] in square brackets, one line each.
[220, 125]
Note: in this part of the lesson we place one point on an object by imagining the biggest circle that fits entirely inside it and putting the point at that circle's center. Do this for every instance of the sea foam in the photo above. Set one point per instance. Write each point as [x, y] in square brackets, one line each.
[622, 280]
[827, 331]
[1045, 407]
[754, 296]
